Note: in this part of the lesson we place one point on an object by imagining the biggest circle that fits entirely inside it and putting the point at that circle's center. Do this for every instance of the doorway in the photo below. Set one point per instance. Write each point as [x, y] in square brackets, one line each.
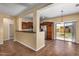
[11, 32]
[65, 31]
[8, 28]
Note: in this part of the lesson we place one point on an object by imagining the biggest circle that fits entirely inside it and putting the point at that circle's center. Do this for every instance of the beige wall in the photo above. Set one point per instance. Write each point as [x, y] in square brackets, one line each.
[67, 18]
[1, 31]
[35, 40]
[40, 36]
[15, 27]
[27, 20]
[6, 28]
[40, 40]
[5, 23]
[3, 34]
[27, 39]
[19, 23]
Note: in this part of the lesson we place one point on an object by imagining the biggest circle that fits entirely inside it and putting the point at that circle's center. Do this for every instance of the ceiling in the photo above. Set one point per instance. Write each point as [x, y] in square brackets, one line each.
[54, 10]
[29, 16]
[14, 9]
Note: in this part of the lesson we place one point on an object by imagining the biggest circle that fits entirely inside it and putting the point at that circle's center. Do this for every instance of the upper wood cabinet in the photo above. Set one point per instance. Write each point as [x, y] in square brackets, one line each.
[27, 25]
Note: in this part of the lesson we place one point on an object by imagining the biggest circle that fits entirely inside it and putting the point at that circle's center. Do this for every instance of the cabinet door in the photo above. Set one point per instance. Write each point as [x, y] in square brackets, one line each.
[52, 30]
[49, 32]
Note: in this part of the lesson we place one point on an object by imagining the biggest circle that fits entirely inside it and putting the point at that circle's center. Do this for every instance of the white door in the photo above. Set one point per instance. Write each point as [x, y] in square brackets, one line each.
[11, 31]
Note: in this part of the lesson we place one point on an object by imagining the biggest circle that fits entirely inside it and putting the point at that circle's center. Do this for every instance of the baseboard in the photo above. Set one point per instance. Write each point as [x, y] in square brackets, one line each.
[40, 48]
[6, 39]
[30, 46]
[14, 40]
[1, 43]
[26, 45]
[77, 42]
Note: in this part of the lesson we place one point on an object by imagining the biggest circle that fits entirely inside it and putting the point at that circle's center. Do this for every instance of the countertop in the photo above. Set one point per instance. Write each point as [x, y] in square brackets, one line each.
[26, 31]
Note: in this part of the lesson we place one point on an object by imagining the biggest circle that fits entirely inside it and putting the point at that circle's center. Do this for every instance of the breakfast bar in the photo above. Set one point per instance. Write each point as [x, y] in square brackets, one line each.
[30, 39]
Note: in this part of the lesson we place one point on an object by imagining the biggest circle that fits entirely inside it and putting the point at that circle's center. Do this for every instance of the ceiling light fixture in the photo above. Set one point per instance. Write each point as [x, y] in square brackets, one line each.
[77, 5]
[62, 16]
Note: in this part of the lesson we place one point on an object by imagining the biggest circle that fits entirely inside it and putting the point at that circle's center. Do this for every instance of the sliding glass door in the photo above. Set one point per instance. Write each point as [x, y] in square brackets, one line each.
[60, 31]
[65, 31]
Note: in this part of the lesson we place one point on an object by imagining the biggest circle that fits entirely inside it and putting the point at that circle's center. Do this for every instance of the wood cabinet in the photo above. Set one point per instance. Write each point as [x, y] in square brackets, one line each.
[27, 25]
[50, 30]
